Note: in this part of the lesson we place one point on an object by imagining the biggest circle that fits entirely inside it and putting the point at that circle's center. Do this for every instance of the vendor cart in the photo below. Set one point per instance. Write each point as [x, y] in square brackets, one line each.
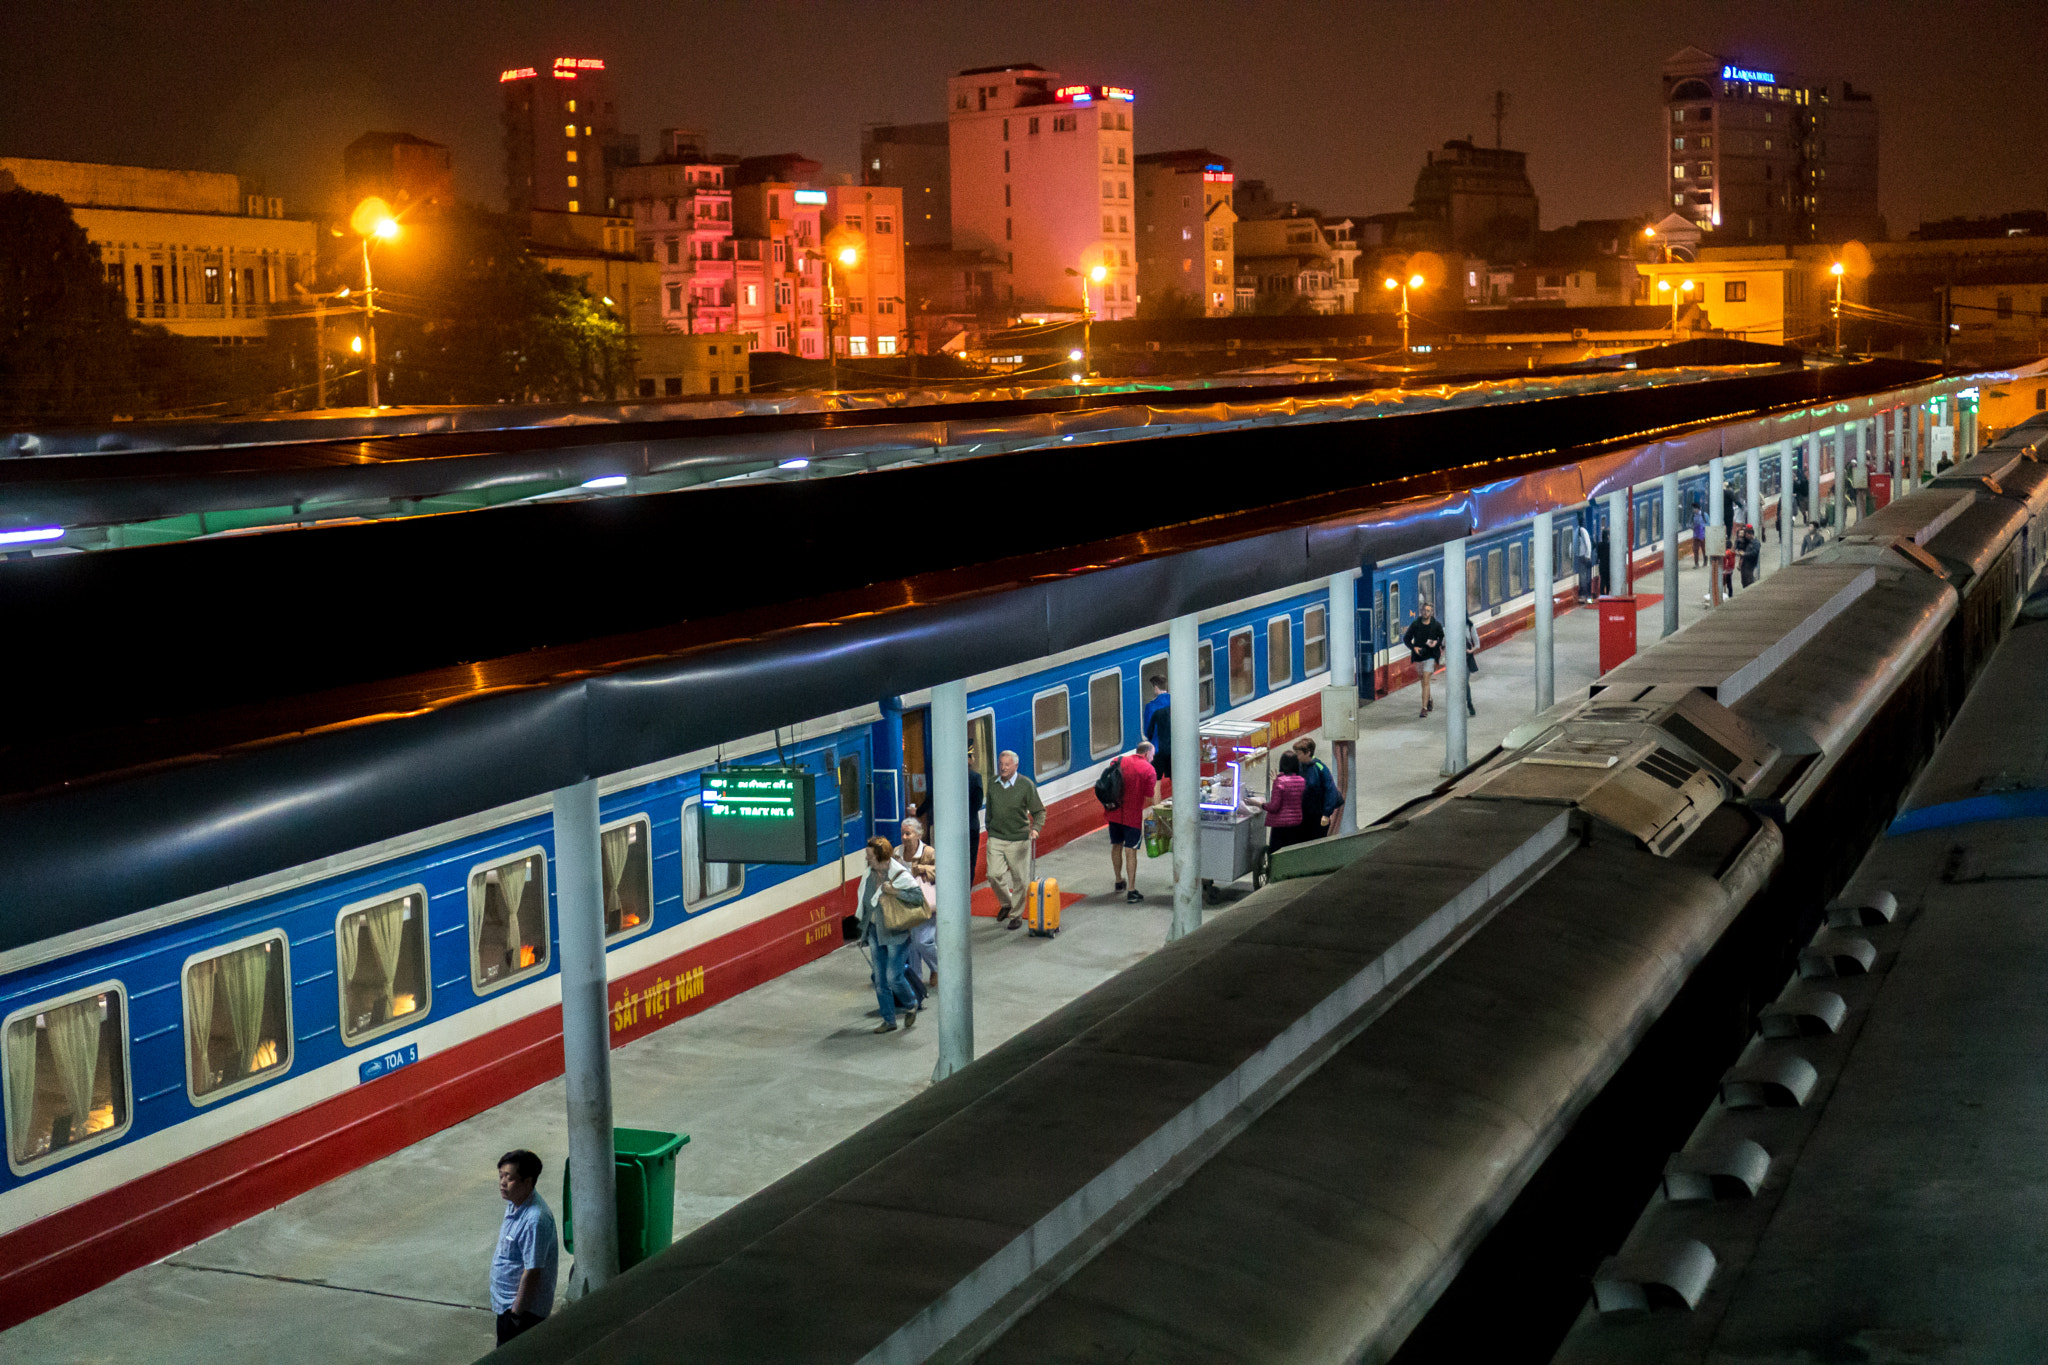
[1233, 835]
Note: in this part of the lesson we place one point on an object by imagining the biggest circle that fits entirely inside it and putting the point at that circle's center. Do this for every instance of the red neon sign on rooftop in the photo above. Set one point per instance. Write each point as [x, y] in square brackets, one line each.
[567, 67]
[1078, 94]
[522, 73]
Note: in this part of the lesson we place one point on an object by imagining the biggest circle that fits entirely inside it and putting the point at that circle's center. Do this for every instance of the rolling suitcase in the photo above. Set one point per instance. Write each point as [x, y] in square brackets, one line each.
[1041, 901]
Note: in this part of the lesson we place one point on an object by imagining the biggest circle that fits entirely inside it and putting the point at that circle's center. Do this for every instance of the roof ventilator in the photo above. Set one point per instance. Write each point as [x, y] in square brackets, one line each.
[1879, 907]
[1837, 954]
[1670, 1276]
[1800, 1013]
[1732, 1170]
[1779, 1080]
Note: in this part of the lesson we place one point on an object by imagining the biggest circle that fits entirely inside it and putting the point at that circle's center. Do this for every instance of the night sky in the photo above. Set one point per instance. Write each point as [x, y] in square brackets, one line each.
[1332, 104]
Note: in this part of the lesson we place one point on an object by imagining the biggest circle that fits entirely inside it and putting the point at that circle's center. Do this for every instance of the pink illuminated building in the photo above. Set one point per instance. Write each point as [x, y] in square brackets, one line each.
[1043, 173]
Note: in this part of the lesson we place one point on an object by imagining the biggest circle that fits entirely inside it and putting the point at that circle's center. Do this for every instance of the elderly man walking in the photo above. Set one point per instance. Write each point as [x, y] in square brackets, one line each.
[1015, 816]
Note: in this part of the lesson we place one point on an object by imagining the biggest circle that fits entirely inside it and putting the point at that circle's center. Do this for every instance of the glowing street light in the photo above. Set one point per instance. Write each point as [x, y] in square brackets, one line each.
[1097, 273]
[1414, 281]
[1837, 271]
[1664, 287]
[372, 221]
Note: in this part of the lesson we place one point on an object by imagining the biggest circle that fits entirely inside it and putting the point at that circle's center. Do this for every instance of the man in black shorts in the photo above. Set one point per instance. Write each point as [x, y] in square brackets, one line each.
[1127, 821]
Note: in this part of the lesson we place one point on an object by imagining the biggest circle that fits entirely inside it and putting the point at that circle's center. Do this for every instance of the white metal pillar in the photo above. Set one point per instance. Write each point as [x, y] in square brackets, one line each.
[1916, 428]
[1454, 657]
[1184, 684]
[1343, 649]
[1845, 442]
[1620, 572]
[953, 840]
[1788, 454]
[586, 1032]
[1668, 495]
[1753, 494]
[1545, 572]
[1717, 525]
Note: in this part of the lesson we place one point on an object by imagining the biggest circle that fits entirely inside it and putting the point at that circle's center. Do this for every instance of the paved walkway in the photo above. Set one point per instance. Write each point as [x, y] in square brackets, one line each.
[388, 1262]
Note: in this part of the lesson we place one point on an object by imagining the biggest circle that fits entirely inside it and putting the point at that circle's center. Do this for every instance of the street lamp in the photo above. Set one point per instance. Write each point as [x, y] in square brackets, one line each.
[1664, 287]
[372, 221]
[842, 248]
[1412, 282]
[1837, 271]
[1086, 355]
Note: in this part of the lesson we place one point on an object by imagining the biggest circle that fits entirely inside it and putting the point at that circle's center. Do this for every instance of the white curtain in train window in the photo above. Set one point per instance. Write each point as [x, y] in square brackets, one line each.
[386, 924]
[512, 879]
[479, 902]
[246, 977]
[74, 1032]
[20, 1065]
[199, 985]
[529, 916]
[616, 845]
[348, 949]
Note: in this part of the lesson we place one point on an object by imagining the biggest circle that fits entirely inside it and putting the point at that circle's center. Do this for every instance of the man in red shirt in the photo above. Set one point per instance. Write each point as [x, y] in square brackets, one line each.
[1127, 822]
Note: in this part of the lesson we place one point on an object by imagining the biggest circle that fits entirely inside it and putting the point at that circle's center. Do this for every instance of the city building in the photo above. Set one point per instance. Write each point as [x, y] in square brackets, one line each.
[198, 253]
[1042, 172]
[784, 210]
[1473, 200]
[562, 139]
[679, 365]
[1755, 156]
[681, 208]
[1777, 294]
[1294, 259]
[956, 297]
[600, 252]
[870, 297]
[412, 175]
[1591, 264]
[1187, 238]
[915, 158]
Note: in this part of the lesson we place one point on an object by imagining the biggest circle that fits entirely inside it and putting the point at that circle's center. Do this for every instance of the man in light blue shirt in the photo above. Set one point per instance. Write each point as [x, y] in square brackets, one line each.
[523, 1266]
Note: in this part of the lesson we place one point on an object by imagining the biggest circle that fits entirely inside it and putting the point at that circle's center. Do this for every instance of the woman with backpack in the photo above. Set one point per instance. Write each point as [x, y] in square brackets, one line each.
[890, 948]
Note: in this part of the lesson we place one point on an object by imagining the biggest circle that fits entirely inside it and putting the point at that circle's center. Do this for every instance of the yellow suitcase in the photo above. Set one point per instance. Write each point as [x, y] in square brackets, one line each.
[1042, 907]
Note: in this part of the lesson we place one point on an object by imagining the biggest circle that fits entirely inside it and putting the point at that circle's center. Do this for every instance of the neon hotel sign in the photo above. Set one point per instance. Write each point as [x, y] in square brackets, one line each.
[565, 69]
[1085, 94]
[1736, 73]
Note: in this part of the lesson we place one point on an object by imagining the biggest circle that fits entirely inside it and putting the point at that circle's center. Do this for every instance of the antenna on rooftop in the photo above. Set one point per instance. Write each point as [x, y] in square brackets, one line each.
[1500, 115]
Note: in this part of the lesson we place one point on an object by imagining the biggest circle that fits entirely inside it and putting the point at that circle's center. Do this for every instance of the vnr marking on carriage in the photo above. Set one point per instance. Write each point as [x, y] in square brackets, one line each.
[389, 1062]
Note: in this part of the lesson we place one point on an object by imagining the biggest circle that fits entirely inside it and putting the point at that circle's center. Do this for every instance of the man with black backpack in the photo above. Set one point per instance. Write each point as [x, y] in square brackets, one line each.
[1125, 788]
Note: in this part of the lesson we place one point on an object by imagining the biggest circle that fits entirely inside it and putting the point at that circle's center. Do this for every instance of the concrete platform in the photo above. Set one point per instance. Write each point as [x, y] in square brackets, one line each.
[389, 1261]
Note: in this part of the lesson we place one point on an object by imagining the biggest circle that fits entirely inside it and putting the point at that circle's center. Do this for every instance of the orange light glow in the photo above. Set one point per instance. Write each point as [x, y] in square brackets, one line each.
[526, 955]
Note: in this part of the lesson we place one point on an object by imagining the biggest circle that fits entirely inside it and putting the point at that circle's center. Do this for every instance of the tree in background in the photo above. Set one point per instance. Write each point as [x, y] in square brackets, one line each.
[1169, 303]
[474, 319]
[66, 343]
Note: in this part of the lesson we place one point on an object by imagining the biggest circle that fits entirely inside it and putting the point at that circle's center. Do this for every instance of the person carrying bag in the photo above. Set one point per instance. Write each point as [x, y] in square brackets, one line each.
[892, 906]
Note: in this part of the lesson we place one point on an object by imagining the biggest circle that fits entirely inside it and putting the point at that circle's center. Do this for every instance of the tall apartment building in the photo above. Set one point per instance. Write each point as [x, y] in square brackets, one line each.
[915, 158]
[1753, 155]
[1187, 229]
[562, 140]
[1478, 200]
[1042, 172]
[681, 207]
[194, 252]
[412, 175]
[782, 210]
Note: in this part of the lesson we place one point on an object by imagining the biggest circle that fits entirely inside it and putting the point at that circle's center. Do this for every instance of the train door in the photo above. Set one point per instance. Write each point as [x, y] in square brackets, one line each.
[1148, 669]
[981, 745]
[917, 768]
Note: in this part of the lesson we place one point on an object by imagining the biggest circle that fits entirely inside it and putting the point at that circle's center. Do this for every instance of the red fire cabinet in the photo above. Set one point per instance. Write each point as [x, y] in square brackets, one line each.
[1617, 631]
[1880, 490]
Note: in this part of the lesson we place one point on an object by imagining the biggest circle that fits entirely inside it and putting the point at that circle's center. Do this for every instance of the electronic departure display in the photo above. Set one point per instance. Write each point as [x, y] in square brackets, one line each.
[759, 815]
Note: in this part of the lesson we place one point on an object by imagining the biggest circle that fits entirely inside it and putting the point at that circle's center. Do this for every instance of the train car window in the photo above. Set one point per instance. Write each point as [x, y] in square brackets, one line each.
[65, 1062]
[1425, 588]
[238, 1026]
[1244, 681]
[1205, 670]
[849, 787]
[1106, 713]
[1496, 585]
[1315, 640]
[705, 882]
[1475, 586]
[1051, 735]
[628, 858]
[380, 959]
[508, 920]
[1279, 652]
[1518, 562]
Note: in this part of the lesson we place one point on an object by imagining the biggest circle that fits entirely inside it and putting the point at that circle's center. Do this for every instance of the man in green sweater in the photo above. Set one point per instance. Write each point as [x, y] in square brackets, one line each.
[1015, 816]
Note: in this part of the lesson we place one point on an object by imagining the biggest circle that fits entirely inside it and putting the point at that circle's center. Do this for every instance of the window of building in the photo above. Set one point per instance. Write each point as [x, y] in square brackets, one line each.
[508, 920]
[572, 182]
[856, 305]
[1006, 229]
[2005, 305]
[705, 882]
[1106, 713]
[568, 130]
[1006, 196]
[1678, 115]
[626, 851]
[238, 1027]
[1187, 265]
[1064, 123]
[1735, 291]
[753, 295]
[1107, 220]
[1678, 144]
[575, 206]
[781, 336]
[1123, 189]
[859, 345]
[1006, 138]
[671, 210]
[1706, 144]
[381, 960]
[1244, 680]
[672, 387]
[1315, 645]
[885, 346]
[1051, 740]
[1124, 290]
[884, 227]
[1678, 171]
[675, 298]
[1031, 127]
[1121, 153]
[211, 276]
[65, 1065]
[1108, 189]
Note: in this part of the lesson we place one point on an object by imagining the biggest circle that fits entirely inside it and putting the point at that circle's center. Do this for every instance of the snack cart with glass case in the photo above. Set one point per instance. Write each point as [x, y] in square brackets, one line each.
[1233, 834]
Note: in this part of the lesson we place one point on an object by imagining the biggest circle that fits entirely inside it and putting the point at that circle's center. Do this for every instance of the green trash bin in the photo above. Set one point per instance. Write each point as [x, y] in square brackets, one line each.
[645, 1162]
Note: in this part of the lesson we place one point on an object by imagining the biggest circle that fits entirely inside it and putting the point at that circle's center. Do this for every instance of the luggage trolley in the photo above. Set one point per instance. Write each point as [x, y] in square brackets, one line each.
[1233, 836]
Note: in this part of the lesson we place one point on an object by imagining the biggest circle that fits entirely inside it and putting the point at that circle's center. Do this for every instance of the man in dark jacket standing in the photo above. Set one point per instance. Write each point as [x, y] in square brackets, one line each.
[1155, 726]
[1321, 781]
